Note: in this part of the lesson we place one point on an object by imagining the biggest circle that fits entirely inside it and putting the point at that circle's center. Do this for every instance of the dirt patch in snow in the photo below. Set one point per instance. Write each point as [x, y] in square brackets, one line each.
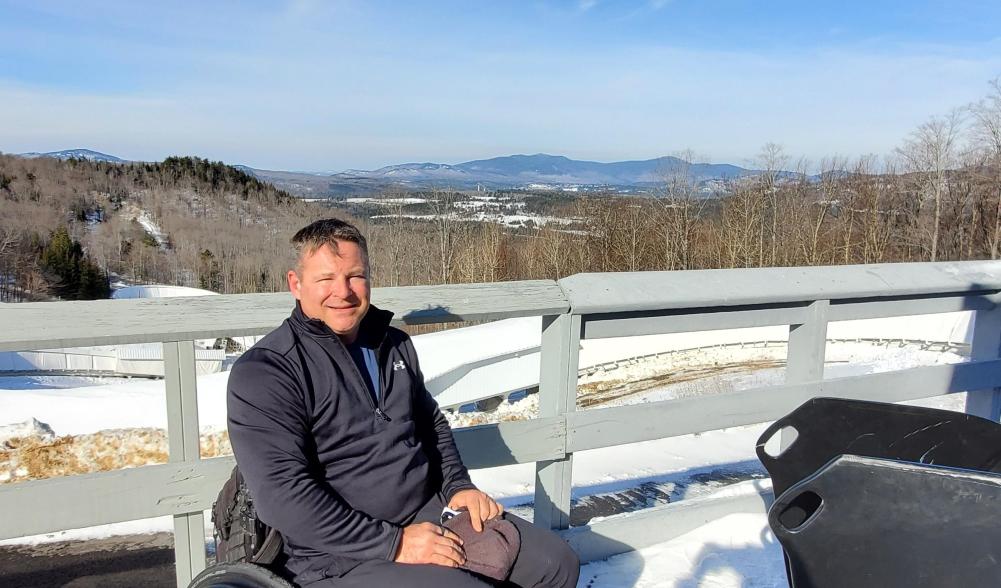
[35, 457]
[610, 390]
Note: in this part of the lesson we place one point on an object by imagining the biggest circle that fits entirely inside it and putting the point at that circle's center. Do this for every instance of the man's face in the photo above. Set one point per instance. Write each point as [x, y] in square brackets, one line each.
[332, 286]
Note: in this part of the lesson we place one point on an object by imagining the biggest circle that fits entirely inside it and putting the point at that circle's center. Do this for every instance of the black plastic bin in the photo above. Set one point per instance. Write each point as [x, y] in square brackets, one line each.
[877, 494]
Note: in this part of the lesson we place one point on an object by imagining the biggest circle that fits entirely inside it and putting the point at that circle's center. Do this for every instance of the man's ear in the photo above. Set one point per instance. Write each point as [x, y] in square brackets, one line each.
[294, 284]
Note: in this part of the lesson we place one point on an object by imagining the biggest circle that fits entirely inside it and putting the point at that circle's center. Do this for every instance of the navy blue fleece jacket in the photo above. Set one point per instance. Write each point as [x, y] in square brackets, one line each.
[335, 471]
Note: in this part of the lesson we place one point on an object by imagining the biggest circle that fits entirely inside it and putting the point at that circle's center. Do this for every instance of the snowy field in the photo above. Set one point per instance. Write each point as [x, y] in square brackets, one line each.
[737, 550]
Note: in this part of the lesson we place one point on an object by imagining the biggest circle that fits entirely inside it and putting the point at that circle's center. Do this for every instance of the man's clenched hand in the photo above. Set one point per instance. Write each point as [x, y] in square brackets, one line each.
[427, 543]
[480, 506]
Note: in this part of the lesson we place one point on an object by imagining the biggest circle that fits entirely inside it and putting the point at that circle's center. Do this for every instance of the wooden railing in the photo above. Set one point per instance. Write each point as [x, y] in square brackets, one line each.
[584, 306]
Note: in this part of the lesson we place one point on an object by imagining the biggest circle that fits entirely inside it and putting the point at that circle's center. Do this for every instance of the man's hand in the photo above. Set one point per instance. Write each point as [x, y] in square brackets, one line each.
[427, 543]
[480, 506]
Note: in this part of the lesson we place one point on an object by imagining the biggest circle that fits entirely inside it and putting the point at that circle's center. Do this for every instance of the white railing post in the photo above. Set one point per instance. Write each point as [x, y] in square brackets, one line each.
[557, 396]
[986, 344]
[807, 349]
[182, 437]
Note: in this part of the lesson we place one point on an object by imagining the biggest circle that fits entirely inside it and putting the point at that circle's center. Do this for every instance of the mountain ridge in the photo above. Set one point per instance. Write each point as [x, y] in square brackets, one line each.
[540, 169]
[78, 153]
[508, 171]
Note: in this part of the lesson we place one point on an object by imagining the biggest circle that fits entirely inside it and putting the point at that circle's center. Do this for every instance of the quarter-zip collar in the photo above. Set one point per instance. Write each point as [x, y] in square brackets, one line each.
[371, 333]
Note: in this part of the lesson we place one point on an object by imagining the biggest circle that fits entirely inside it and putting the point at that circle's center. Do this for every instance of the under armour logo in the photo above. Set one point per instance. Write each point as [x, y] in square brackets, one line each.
[399, 365]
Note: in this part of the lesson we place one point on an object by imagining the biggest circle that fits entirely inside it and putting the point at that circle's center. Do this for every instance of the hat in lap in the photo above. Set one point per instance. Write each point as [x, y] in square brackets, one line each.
[490, 552]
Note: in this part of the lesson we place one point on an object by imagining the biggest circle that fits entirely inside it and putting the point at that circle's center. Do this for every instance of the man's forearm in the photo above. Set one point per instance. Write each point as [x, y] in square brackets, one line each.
[455, 476]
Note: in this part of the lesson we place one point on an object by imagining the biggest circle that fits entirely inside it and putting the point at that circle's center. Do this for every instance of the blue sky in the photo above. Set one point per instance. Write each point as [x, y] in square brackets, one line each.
[331, 85]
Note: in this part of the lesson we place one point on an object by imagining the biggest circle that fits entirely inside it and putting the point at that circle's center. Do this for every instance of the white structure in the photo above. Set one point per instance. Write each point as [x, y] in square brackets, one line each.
[159, 291]
[144, 359]
[465, 365]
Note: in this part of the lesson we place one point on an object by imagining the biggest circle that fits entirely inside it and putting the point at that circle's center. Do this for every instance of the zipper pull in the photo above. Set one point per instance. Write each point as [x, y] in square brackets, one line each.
[382, 415]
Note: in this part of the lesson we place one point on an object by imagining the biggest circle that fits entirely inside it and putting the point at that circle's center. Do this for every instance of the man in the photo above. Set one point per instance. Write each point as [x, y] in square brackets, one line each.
[344, 450]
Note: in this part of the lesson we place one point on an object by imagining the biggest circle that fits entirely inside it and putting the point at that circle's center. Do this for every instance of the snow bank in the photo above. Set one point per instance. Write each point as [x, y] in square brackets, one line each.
[30, 428]
[737, 550]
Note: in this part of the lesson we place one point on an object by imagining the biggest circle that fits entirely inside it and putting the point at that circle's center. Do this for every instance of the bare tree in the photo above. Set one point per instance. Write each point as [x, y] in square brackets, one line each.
[987, 137]
[446, 223]
[772, 159]
[931, 151]
[9, 238]
[680, 212]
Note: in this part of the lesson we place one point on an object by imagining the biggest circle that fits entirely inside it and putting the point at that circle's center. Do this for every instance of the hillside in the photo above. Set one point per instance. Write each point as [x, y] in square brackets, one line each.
[184, 221]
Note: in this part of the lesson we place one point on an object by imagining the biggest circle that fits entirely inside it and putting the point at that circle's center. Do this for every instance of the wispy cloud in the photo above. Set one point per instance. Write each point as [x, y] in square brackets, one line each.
[585, 5]
[354, 90]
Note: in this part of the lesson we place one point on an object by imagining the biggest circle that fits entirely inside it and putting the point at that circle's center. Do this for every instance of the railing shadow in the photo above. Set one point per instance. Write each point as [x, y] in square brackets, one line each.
[111, 568]
[742, 561]
[430, 314]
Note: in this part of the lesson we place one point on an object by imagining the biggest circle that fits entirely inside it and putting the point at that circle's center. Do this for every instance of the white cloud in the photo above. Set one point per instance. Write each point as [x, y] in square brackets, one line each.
[339, 101]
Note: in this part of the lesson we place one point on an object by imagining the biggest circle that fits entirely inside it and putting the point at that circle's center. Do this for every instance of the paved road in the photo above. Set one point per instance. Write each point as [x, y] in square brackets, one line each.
[124, 562]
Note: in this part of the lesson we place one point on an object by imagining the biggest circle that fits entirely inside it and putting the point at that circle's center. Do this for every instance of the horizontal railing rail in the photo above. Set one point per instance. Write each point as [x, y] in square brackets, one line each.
[46, 325]
[580, 307]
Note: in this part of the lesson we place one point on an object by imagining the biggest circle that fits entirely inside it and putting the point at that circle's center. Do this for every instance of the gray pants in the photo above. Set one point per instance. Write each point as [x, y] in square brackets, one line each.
[545, 561]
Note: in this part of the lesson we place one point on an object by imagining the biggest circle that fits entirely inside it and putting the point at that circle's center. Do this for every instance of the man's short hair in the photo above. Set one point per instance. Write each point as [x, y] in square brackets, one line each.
[327, 231]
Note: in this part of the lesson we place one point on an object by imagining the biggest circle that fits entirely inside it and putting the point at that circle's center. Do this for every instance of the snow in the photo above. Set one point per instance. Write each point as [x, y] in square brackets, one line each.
[151, 227]
[475, 214]
[511, 346]
[159, 291]
[445, 350]
[29, 428]
[386, 201]
[737, 550]
[116, 405]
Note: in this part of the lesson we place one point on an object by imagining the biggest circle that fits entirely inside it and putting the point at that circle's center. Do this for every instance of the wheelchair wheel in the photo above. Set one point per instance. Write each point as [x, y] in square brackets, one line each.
[238, 575]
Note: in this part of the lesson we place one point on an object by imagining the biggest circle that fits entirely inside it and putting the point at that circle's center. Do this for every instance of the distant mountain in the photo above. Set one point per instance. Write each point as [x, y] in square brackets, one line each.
[512, 171]
[558, 169]
[77, 154]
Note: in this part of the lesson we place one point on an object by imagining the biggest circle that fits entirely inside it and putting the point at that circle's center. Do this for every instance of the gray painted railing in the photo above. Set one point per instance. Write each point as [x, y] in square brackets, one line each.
[579, 307]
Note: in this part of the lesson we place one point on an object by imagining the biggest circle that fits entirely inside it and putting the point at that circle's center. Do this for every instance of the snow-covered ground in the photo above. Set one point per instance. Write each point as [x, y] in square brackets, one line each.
[385, 201]
[152, 228]
[737, 550]
[501, 218]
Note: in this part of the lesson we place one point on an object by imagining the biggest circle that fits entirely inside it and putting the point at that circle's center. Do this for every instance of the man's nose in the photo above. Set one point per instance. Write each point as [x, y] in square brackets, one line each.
[342, 289]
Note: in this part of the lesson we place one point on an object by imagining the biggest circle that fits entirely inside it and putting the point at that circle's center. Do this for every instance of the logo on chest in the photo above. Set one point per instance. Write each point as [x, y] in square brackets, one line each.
[399, 365]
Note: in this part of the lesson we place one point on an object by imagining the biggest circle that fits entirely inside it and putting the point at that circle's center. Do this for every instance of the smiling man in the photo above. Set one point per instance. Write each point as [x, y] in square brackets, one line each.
[346, 453]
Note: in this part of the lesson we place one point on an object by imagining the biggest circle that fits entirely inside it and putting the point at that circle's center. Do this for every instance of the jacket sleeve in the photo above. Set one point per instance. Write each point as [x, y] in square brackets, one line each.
[437, 434]
[269, 429]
